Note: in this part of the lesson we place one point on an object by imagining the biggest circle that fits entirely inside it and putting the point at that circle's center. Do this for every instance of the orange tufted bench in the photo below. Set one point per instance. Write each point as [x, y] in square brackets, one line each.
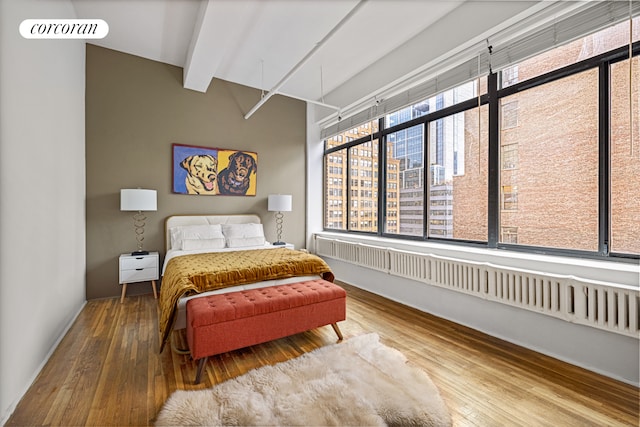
[224, 322]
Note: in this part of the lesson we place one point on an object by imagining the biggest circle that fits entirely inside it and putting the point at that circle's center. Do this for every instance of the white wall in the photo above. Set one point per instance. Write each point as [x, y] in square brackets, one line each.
[42, 192]
[314, 202]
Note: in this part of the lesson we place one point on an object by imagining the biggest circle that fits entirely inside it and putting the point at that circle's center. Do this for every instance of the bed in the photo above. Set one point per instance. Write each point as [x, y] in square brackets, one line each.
[212, 254]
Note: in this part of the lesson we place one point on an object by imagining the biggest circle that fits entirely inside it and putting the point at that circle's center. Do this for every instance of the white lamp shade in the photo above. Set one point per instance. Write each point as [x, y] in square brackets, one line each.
[279, 203]
[138, 199]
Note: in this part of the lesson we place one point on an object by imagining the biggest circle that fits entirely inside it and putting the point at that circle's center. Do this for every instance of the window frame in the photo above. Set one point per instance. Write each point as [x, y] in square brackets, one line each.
[492, 98]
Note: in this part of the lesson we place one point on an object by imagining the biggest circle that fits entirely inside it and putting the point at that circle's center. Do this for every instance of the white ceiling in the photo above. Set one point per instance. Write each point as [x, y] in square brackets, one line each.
[258, 43]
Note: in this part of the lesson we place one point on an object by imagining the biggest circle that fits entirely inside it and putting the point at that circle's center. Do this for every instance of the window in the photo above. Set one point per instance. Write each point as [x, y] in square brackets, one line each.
[405, 155]
[510, 76]
[406, 114]
[553, 197]
[509, 198]
[351, 135]
[579, 50]
[509, 156]
[509, 115]
[448, 98]
[555, 180]
[509, 235]
[458, 187]
[335, 191]
[625, 159]
[363, 161]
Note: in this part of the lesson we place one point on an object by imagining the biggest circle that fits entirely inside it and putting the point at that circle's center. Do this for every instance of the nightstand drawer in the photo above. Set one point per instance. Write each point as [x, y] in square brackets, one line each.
[138, 275]
[135, 262]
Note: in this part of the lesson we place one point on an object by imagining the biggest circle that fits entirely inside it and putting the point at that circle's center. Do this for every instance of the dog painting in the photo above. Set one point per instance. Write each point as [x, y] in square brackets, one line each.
[235, 179]
[202, 171]
[214, 171]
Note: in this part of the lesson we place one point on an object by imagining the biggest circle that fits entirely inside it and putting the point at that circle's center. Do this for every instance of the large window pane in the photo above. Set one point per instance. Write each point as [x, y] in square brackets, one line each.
[350, 135]
[464, 92]
[458, 176]
[405, 182]
[408, 113]
[549, 165]
[579, 50]
[625, 159]
[363, 185]
[335, 185]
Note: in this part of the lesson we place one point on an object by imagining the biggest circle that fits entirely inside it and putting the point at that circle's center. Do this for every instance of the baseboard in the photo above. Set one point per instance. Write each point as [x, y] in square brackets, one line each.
[589, 352]
[53, 348]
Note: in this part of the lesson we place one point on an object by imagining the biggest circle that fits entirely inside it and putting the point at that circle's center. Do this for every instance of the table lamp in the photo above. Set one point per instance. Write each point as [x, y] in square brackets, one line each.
[139, 200]
[279, 203]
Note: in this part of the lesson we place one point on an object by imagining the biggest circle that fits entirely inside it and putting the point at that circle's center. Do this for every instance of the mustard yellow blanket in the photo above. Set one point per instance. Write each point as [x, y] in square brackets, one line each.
[191, 274]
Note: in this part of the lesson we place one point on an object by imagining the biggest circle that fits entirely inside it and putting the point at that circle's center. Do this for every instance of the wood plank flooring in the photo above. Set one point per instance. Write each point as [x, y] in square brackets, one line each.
[107, 370]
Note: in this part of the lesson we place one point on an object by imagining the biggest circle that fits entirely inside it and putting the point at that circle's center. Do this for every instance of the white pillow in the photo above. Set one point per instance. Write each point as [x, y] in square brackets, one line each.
[240, 242]
[241, 235]
[190, 244]
[182, 232]
[242, 230]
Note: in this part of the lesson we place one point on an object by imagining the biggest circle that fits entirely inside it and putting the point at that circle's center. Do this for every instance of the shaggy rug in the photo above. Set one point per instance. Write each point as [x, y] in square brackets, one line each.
[357, 382]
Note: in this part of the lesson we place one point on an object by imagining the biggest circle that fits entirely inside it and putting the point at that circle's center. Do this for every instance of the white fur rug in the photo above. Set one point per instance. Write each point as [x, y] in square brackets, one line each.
[357, 382]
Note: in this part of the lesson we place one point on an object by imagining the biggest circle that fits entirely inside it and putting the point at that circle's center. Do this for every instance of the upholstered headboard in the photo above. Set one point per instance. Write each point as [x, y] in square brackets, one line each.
[176, 220]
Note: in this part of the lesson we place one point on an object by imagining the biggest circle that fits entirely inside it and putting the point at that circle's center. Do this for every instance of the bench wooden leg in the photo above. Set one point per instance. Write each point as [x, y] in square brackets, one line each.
[337, 330]
[201, 363]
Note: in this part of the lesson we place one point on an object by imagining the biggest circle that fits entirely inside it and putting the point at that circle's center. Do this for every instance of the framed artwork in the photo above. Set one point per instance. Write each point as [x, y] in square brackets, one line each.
[214, 171]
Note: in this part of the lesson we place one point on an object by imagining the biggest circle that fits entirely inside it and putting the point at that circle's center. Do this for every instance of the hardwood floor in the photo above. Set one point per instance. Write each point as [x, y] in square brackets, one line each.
[107, 370]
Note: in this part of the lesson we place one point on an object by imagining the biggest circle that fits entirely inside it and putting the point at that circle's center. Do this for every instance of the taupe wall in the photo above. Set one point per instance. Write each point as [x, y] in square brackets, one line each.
[135, 110]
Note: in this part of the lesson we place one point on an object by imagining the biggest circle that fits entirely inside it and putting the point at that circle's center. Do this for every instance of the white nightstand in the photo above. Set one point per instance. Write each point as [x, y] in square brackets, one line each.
[138, 268]
[286, 245]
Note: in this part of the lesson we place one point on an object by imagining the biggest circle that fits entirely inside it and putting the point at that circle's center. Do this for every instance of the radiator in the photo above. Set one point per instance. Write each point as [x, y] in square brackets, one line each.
[609, 306]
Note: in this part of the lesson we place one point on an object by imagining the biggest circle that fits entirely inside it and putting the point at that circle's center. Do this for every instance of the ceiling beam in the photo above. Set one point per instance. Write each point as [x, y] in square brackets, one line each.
[216, 21]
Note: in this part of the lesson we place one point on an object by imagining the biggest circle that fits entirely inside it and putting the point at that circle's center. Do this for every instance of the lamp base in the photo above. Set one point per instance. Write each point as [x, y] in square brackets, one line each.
[278, 243]
[139, 253]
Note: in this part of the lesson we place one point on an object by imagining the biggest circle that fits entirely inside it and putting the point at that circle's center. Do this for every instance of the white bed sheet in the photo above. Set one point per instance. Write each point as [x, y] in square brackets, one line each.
[172, 253]
[181, 312]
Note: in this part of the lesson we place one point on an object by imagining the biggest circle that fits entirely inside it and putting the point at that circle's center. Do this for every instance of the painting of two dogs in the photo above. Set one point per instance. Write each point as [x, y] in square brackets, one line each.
[210, 171]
